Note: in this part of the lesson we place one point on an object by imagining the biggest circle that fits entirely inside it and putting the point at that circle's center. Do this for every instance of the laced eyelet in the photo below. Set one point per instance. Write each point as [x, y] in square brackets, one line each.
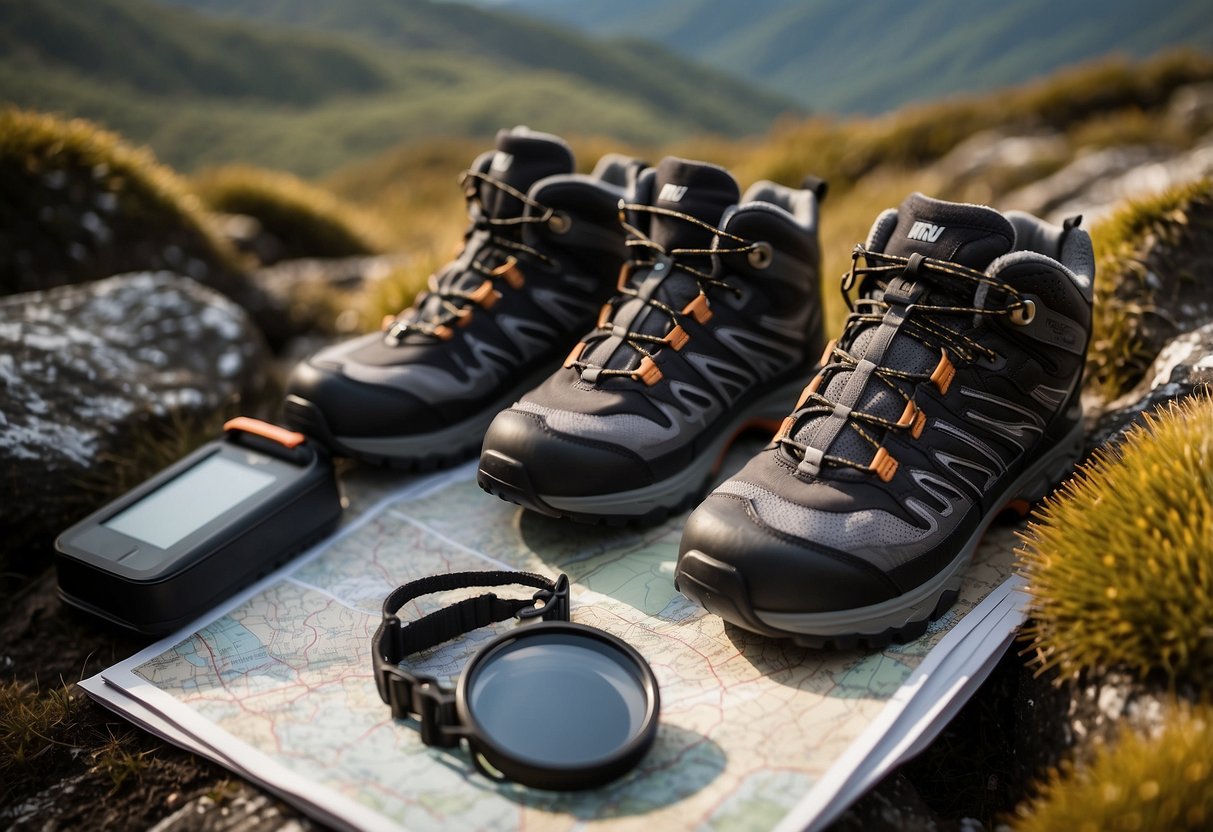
[761, 255]
[1023, 314]
[559, 222]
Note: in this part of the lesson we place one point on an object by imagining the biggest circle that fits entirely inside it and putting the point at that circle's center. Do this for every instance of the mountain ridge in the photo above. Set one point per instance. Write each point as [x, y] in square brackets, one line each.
[206, 90]
[878, 55]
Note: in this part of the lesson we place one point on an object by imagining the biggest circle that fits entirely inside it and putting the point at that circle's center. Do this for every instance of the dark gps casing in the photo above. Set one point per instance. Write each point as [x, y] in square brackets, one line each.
[156, 589]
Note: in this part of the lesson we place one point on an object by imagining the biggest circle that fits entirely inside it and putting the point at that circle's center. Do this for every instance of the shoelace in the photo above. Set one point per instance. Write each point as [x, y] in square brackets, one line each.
[698, 308]
[455, 306]
[996, 299]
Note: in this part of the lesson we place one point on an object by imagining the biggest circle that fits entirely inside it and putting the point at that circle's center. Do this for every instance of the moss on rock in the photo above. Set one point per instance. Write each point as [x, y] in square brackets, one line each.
[79, 204]
[305, 220]
[1153, 258]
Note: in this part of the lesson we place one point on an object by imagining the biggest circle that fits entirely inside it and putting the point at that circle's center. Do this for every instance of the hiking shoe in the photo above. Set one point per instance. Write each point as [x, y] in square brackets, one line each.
[716, 323]
[541, 252]
[952, 392]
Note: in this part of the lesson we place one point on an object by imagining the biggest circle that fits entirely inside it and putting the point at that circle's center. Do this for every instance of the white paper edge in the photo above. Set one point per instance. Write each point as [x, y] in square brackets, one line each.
[929, 711]
[806, 813]
[332, 809]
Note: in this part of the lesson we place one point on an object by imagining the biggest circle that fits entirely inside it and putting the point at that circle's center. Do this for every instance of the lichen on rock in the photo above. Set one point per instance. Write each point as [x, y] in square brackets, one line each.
[86, 372]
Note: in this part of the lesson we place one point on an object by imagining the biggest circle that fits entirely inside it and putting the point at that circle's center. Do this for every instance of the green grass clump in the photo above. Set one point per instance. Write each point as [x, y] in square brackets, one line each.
[1134, 784]
[29, 719]
[1120, 561]
[307, 220]
[80, 203]
[1119, 353]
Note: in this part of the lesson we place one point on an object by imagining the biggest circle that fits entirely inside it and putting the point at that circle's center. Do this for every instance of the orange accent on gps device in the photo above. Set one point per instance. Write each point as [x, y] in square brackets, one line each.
[247, 424]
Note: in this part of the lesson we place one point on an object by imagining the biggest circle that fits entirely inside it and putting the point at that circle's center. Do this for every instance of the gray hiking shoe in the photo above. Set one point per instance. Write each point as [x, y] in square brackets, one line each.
[953, 392]
[716, 323]
[540, 254]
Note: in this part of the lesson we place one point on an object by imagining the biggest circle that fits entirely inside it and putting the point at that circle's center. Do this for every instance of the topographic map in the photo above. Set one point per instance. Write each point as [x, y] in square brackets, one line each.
[279, 686]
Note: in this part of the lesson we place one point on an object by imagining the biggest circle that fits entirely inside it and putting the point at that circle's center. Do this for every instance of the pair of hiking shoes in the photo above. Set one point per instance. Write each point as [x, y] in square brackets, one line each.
[952, 392]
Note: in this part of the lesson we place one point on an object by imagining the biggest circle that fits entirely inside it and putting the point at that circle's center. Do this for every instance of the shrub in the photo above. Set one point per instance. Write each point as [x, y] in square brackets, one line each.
[1134, 784]
[1120, 561]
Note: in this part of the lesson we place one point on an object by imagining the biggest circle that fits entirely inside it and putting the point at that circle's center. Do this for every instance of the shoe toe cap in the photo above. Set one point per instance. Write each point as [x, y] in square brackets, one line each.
[354, 408]
[561, 464]
[725, 542]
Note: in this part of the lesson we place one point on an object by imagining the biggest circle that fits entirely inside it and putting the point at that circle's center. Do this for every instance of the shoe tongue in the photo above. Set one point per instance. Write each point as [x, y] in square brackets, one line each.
[704, 191]
[969, 235]
[521, 159]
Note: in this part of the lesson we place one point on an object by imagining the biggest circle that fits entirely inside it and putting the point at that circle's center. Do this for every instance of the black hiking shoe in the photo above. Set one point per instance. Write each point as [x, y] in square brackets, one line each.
[716, 323]
[953, 392]
[540, 254]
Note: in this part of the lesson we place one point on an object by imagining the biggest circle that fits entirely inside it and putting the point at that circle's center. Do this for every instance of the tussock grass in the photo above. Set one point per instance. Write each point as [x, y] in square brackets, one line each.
[1120, 561]
[308, 220]
[1137, 783]
[30, 719]
[117, 763]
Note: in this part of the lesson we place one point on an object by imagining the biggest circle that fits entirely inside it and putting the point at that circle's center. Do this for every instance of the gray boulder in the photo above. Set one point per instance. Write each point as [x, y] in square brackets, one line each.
[1095, 183]
[90, 375]
[1184, 367]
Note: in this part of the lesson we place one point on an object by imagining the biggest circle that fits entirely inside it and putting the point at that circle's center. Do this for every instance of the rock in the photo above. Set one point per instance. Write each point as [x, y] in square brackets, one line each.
[322, 295]
[991, 162]
[1192, 106]
[1074, 717]
[65, 223]
[893, 804]
[245, 811]
[247, 235]
[1093, 184]
[992, 148]
[1155, 261]
[1070, 185]
[1184, 367]
[1144, 181]
[87, 373]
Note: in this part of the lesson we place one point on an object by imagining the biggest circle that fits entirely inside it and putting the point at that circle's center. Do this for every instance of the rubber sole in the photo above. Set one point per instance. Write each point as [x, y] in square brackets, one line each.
[722, 590]
[507, 478]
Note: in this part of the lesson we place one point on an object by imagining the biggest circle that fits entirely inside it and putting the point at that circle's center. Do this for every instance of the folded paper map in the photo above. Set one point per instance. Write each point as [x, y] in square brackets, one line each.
[754, 732]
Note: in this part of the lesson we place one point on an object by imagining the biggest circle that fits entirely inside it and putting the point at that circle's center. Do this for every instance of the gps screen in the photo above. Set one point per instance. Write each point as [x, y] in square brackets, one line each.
[190, 501]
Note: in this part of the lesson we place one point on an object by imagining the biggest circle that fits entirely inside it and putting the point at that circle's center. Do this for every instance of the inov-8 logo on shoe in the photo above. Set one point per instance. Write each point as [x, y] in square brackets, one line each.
[671, 192]
[926, 232]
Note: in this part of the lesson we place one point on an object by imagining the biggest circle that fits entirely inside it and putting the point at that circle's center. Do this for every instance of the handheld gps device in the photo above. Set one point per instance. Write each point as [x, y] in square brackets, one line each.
[190, 536]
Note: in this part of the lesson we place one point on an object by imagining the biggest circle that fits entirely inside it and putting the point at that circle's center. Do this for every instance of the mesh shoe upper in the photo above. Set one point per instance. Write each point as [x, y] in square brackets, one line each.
[718, 302]
[540, 253]
[958, 368]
